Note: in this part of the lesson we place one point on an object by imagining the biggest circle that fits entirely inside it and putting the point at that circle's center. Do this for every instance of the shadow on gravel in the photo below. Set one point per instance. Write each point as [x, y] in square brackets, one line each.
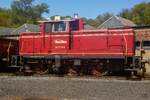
[28, 98]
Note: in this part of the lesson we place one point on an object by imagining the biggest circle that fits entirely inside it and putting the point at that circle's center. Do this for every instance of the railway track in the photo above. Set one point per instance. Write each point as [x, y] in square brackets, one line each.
[118, 76]
[106, 77]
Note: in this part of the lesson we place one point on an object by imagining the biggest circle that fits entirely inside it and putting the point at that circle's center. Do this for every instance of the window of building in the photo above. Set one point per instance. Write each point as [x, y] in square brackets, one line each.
[145, 44]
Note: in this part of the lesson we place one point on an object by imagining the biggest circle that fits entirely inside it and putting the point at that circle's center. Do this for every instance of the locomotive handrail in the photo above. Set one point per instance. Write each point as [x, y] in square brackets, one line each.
[102, 30]
[126, 45]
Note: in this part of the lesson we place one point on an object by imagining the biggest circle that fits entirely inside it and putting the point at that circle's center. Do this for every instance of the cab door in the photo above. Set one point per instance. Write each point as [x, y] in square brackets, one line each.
[60, 37]
[47, 37]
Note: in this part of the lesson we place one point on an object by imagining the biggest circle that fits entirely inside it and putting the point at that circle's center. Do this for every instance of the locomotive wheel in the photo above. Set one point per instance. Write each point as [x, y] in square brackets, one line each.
[25, 70]
[19, 71]
[55, 69]
[100, 71]
[42, 69]
[72, 72]
[140, 73]
[96, 71]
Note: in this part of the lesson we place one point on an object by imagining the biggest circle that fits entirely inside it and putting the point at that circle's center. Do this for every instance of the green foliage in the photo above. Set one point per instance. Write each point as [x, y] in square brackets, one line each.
[91, 22]
[139, 14]
[22, 11]
[98, 20]
[5, 17]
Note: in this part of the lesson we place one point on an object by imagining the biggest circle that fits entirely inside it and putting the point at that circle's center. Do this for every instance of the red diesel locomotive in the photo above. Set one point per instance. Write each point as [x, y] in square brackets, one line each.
[63, 46]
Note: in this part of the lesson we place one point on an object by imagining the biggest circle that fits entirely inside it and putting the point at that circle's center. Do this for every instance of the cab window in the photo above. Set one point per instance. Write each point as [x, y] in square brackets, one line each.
[74, 25]
[48, 27]
[59, 26]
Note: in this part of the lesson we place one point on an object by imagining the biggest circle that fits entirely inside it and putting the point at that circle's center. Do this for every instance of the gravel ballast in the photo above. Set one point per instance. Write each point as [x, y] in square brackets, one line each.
[60, 88]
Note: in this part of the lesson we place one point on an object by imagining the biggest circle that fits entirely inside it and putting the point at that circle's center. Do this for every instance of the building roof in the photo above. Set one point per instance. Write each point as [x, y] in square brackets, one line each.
[16, 31]
[116, 22]
[12, 33]
[5, 31]
[89, 27]
[25, 28]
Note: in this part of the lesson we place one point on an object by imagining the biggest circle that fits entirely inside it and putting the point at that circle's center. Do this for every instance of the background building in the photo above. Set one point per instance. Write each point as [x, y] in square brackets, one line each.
[13, 33]
[116, 22]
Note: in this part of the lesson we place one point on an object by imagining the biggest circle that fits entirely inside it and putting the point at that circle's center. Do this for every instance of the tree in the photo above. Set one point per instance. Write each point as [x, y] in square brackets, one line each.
[98, 20]
[23, 11]
[139, 14]
[126, 13]
[102, 18]
[5, 17]
[92, 22]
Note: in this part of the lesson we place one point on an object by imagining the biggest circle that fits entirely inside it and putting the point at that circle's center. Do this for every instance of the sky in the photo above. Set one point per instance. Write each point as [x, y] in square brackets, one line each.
[85, 8]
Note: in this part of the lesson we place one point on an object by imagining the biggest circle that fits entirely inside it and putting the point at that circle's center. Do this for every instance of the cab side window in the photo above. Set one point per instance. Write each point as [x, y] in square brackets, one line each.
[48, 27]
[74, 25]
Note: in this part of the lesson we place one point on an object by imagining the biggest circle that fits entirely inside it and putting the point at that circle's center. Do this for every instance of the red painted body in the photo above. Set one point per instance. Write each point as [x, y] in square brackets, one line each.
[108, 42]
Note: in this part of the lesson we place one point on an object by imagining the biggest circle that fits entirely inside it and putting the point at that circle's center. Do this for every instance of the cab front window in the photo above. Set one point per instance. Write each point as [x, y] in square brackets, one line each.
[59, 26]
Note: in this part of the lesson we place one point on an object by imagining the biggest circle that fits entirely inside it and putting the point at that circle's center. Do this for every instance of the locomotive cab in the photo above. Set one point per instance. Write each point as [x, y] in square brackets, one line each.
[61, 26]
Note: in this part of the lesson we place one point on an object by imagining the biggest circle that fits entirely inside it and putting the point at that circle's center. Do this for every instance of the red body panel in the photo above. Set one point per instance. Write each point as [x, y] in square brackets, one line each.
[113, 42]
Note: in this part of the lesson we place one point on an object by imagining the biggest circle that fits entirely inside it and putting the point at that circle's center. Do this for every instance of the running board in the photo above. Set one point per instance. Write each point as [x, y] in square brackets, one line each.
[15, 66]
[134, 69]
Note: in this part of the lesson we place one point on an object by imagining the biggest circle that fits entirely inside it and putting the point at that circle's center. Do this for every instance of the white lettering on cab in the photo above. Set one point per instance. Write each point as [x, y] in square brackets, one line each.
[60, 41]
[59, 47]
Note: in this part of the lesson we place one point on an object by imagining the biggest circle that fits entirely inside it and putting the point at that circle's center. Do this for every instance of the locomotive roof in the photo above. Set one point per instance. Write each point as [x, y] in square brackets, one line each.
[65, 20]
